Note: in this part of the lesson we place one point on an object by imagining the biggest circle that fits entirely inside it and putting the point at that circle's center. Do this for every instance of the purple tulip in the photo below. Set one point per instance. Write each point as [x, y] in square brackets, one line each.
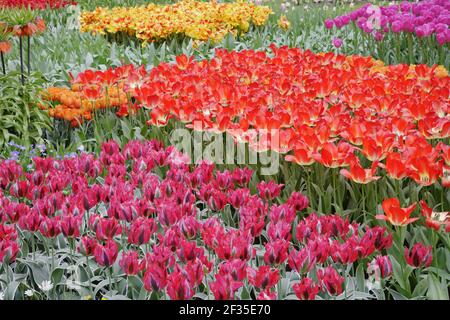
[337, 42]
[329, 24]
[338, 22]
[397, 26]
[378, 36]
[443, 37]
[346, 19]
[423, 18]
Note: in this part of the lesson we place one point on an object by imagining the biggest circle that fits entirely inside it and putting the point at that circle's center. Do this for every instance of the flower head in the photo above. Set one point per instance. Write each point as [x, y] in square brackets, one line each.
[46, 286]
[419, 255]
[434, 219]
[395, 214]
[337, 42]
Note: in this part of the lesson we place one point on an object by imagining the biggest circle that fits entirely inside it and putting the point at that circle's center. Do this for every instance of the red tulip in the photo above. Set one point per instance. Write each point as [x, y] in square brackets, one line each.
[224, 287]
[106, 255]
[360, 175]
[301, 261]
[155, 277]
[264, 277]
[107, 228]
[8, 251]
[330, 280]
[279, 230]
[87, 246]
[395, 166]
[178, 286]
[381, 266]
[419, 255]
[267, 295]
[236, 268]
[298, 201]
[49, 227]
[269, 190]
[70, 225]
[276, 252]
[30, 222]
[380, 240]
[130, 263]
[306, 289]
[140, 231]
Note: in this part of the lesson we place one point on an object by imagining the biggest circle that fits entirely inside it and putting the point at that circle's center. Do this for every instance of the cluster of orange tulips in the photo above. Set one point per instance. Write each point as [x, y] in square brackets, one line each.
[90, 91]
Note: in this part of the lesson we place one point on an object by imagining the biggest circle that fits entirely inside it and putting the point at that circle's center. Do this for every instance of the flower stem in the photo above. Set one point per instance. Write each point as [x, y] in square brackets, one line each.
[22, 77]
[410, 48]
[29, 55]
[3, 63]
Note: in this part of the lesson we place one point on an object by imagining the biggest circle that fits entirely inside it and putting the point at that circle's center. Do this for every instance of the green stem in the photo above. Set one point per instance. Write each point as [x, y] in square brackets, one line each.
[410, 48]
[22, 77]
[3, 63]
[29, 54]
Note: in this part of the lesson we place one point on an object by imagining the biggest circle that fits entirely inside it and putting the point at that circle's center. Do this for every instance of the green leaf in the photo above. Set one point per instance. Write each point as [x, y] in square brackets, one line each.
[360, 279]
[436, 289]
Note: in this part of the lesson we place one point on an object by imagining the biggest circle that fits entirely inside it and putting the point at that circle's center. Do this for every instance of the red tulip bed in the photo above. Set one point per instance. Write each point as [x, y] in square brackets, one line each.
[336, 110]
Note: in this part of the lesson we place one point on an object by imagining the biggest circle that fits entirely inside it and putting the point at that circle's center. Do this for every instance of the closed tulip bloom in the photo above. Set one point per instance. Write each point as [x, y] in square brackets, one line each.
[419, 256]
[141, 230]
[236, 268]
[329, 23]
[178, 287]
[8, 251]
[130, 263]
[298, 201]
[87, 246]
[337, 42]
[106, 255]
[276, 252]
[381, 266]
[155, 277]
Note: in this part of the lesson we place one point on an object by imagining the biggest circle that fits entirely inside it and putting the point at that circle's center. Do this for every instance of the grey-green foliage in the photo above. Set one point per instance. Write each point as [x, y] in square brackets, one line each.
[20, 120]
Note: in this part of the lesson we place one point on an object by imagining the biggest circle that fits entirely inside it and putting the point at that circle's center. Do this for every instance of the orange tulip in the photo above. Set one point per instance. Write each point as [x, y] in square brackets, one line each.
[395, 214]
[395, 166]
[360, 175]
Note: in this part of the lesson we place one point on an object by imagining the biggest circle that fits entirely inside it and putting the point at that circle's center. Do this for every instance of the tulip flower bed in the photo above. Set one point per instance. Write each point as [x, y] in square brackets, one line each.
[36, 4]
[428, 20]
[424, 19]
[332, 109]
[194, 19]
[140, 223]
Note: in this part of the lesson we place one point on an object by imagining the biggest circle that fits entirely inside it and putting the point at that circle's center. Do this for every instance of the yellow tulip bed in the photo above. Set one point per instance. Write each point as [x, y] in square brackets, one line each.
[194, 19]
